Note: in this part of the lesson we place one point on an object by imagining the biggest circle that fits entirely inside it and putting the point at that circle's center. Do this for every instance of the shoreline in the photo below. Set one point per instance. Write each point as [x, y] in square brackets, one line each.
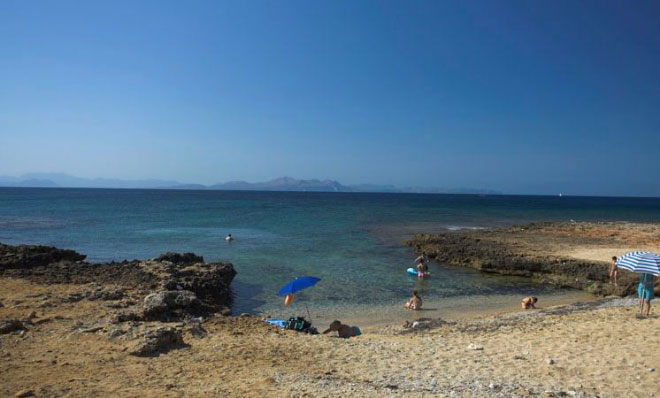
[152, 328]
[565, 254]
[373, 316]
[74, 349]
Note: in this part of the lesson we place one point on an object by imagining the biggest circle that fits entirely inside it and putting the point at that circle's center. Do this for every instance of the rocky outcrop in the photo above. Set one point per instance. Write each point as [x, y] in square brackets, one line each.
[168, 304]
[522, 251]
[158, 340]
[179, 258]
[28, 256]
[44, 264]
[171, 286]
[209, 282]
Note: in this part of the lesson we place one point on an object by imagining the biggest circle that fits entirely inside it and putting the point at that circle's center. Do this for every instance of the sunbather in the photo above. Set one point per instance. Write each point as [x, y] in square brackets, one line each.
[343, 331]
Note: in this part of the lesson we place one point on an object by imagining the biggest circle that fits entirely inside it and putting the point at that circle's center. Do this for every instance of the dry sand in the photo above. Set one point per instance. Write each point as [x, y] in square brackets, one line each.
[599, 241]
[589, 350]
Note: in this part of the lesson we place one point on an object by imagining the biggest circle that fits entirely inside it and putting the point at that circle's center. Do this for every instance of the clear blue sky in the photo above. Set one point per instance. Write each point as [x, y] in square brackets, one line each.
[518, 96]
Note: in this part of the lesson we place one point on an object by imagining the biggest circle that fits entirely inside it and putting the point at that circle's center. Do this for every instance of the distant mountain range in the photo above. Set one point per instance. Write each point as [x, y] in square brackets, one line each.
[60, 180]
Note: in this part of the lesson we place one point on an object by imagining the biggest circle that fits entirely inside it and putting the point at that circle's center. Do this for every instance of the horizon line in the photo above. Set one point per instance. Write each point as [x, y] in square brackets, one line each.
[340, 192]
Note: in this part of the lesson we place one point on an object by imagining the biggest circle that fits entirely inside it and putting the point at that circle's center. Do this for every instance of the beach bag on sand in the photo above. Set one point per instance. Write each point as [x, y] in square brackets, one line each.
[299, 324]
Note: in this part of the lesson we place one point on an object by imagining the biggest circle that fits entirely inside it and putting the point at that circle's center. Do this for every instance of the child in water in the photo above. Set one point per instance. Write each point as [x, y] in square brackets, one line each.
[528, 302]
[422, 265]
[420, 270]
[415, 302]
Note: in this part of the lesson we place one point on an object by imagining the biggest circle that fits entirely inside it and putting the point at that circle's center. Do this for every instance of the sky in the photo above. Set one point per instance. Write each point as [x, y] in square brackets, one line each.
[515, 96]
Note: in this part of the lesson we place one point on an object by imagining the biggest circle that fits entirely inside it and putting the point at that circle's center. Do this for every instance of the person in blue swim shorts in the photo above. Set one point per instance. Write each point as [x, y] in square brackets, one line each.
[645, 293]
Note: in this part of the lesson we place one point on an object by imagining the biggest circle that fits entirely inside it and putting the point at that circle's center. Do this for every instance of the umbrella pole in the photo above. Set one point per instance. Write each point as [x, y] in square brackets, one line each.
[308, 314]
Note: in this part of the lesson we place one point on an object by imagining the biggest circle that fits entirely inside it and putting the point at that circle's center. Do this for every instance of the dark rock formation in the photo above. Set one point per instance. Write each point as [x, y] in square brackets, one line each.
[166, 304]
[503, 252]
[172, 276]
[180, 259]
[27, 256]
[43, 264]
[158, 340]
[209, 282]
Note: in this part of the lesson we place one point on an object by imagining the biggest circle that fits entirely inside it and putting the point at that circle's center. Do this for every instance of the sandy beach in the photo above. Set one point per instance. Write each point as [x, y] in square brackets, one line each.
[597, 349]
[68, 329]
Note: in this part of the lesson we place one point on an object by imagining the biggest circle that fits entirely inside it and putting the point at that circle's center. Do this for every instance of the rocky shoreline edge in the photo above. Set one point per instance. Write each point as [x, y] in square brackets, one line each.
[539, 251]
[173, 289]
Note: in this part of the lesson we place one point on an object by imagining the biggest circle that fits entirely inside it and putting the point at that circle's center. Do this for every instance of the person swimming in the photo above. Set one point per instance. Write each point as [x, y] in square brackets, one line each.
[229, 238]
[415, 302]
[528, 302]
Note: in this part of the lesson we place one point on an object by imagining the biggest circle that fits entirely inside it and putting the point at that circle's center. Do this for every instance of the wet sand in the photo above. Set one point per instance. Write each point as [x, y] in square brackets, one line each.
[452, 308]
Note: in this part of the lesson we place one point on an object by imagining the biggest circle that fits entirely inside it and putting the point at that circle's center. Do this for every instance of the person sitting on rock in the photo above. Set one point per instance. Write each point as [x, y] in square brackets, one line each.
[343, 331]
[528, 302]
[415, 302]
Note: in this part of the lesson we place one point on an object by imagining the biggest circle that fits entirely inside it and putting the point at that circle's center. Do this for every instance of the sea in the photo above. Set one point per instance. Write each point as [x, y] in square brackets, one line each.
[353, 242]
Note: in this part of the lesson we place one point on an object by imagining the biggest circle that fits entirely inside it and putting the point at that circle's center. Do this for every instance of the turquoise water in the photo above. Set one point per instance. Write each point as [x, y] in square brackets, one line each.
[350, 240]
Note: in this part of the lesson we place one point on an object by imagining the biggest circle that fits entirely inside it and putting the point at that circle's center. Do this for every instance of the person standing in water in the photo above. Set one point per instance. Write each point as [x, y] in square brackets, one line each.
[229, 238]
[613, 271]
[422, 265]
[420, 270]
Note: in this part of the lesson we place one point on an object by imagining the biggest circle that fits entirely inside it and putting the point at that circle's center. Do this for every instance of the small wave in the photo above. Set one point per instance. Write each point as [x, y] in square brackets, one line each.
[19, 223]
[462, 227]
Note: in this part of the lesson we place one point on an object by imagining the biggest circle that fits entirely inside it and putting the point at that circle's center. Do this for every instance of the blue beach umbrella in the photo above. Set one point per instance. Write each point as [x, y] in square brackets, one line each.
[640, 262]
[298, 284]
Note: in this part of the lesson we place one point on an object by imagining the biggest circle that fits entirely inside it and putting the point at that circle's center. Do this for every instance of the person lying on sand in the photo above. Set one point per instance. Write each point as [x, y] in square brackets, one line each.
[415, 302]
[528, 302]
[343, 331]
